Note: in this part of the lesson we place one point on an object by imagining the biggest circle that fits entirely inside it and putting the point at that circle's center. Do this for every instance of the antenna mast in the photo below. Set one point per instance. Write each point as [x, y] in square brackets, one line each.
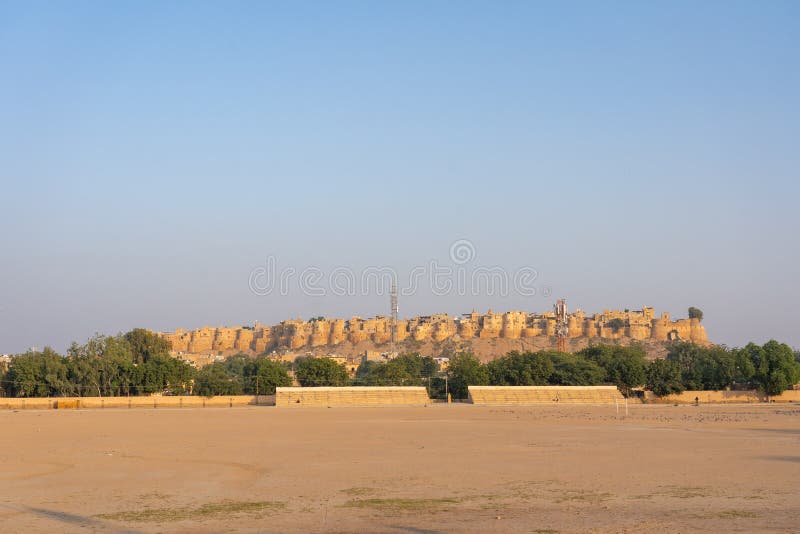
[562, 324]
[395, 311]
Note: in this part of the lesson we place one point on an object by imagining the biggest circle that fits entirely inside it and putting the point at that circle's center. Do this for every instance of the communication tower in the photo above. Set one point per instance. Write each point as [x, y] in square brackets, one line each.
[395, 311]
[562, 324]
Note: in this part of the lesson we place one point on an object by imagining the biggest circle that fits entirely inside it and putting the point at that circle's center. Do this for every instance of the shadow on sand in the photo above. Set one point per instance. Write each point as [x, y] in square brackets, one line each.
[75, 520]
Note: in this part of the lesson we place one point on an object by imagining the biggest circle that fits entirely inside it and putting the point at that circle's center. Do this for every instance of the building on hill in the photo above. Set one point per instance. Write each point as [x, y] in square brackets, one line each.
[296, 336]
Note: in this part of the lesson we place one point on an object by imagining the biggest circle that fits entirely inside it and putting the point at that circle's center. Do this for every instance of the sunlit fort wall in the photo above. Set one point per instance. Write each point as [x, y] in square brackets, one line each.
[298, 334]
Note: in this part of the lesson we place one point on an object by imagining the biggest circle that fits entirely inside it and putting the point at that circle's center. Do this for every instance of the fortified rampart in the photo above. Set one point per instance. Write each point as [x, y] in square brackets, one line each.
[295, 335]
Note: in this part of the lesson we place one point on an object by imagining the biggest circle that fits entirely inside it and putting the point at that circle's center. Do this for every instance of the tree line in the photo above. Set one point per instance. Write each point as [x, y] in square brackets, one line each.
[134, 363]
[771, 368]
[138, 363]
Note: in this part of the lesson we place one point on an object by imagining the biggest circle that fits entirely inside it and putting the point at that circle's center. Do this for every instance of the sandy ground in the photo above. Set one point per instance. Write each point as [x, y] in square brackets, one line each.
[456, 468]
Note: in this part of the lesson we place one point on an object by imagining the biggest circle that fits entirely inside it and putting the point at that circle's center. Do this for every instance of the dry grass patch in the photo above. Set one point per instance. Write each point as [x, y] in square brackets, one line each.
[358, 491]
[735, 514]
[685, 492]
[206, 511]
[402, 505]
[592, 497]
[679, 492]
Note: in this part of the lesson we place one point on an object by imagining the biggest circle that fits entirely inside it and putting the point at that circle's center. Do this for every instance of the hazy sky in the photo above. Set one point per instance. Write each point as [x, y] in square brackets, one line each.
[155, 155]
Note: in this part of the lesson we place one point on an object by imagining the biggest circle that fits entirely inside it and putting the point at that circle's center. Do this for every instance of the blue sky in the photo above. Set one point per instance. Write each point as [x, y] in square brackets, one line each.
[152, 155]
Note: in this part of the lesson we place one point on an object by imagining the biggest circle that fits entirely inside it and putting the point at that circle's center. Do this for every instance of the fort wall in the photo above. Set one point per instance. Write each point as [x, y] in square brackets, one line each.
[298, 335]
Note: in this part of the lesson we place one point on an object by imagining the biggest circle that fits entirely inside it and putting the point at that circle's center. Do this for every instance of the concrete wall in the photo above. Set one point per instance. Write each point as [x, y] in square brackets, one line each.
[718, 397]
[134, 402]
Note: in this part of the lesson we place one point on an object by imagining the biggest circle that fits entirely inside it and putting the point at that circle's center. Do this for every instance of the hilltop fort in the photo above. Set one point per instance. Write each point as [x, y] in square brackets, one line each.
[487, 335]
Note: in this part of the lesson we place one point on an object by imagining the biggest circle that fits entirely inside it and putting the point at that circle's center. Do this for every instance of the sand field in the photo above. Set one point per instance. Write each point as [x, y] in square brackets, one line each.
[442, 468]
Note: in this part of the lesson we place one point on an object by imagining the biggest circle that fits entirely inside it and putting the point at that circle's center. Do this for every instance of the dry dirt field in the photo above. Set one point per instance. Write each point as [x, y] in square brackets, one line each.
[456, 468]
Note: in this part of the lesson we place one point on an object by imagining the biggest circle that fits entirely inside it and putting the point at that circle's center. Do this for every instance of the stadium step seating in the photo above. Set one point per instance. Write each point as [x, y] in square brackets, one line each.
[351, 396]
[515, 395]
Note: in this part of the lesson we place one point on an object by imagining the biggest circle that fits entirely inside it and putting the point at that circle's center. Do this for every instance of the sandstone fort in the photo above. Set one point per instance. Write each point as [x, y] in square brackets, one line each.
[484, 334]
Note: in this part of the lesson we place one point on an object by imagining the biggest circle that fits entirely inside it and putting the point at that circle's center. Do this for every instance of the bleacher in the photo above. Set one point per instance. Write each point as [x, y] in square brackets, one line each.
[520, 395]
[351, 396]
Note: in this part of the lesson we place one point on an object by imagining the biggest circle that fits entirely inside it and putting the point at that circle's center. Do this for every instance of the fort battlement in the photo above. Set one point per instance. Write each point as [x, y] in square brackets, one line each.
[298, 335]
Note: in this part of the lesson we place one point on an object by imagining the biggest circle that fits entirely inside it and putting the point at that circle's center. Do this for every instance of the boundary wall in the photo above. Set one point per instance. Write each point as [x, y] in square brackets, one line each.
[178, 401]
[722, 397]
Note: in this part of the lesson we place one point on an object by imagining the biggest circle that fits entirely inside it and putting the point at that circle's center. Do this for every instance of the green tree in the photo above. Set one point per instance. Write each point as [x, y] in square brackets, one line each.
[627, 372]
[38, 374]
[418, 368]
[216, 379]
[624, 366]
[408, 369]
[145, 344]
[685, 354]
[262, 375]
[745, 369]
[711, 368]
[718, 367]
[391, 373]
[363, 371]
[321, 372]
[776, 369]
[463, 371]
[521, 369]
[103, 366]
[695, 313]
[3, 378]
[575, 370]
[237, 363]
[664, 377]
[178, 375]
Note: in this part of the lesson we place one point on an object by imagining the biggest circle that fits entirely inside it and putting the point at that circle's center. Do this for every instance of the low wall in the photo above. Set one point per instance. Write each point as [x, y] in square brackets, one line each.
[722, 397]
[519, 395]
[62, 403]
[352, 396]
